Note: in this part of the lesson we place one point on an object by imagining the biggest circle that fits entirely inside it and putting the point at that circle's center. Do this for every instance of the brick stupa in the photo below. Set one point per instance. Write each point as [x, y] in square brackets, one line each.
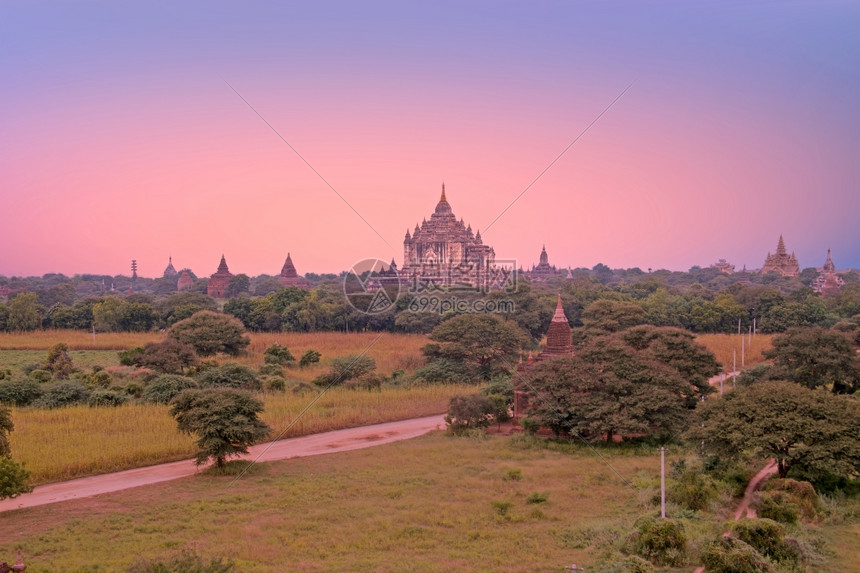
[289, 277]
[219, 281]
[559, 342]
[185, 280]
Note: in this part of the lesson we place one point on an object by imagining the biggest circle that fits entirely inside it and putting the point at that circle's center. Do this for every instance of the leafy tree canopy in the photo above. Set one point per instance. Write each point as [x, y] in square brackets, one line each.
[816, 357]
[486, 342]
[812, 430]
[211, 332]
[224, 419]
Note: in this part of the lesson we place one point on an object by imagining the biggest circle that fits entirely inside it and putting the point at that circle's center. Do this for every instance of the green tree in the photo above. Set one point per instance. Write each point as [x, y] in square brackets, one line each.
[238, 284]
[610, 388]
[344, 369]
[229, 376]
[13, 476]
[137, 317]
[169, 356]
[23, 313]
[465, 412]
[815, 357]
[108, 313]
[604, 315]
[810, 430]
[486, 342]
[225, 421]
[211, 332]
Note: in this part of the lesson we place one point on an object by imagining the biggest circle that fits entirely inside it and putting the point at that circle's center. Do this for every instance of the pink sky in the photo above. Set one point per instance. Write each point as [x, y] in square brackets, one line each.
[122, 141]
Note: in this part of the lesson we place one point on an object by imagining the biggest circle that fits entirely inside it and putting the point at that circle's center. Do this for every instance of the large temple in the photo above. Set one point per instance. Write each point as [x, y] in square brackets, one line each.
[781, 262]
[444, 252]
[219, 281]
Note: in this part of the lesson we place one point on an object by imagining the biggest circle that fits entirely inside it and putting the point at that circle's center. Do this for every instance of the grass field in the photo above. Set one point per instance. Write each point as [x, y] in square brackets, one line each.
[725, 345]
[435, 503]
[76, 441]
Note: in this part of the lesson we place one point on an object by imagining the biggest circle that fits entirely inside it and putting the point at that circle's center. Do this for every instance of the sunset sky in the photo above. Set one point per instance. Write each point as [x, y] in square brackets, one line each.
[121, 139]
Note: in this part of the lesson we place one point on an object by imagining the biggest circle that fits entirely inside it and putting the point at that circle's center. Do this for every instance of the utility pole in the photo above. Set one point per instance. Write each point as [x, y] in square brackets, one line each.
[663, 482]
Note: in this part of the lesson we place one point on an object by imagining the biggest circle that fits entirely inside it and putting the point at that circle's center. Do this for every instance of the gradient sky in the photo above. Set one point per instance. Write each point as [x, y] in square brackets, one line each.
[120, 138]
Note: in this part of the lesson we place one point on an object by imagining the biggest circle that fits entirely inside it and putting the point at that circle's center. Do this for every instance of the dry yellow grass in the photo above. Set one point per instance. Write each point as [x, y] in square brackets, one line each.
[76, 441]
[76, 339]
[723, 346]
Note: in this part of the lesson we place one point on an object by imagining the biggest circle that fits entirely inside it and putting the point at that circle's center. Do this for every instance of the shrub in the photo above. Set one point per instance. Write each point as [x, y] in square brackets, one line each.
[271, 370]
[277, 354]
[465, 412]
[19, 391]
[101, 379]
[530, 425]
[40, 375]
[230, 376]
[777, 505]
[274, 384]
[662, 541]
[129, 357]
[164, 388]
[59, 361]
[444, 371]
[64, 393]
[107, 398]
[303, 388]
[537, 497]
[185, 562]
[692, 489]
[730, 555]
[766, 536]
[799, 493]
[134, 389]
[309, 357]
[515, 474]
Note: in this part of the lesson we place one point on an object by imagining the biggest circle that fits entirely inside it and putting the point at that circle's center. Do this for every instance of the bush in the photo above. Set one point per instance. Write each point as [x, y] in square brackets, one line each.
[64, 393]
[730, 555]
[19, 391]
[169, 356]
[277, 354]
[537, 497]
[164, 388]
[661, 541]
[271, 370]
[101, 379]
[134, 389]
[801, 494]
[274, 384]
[185, 562]
[40, 375]
[777, 505]
[230, 376]
[129, 357]
[59, 361]
[465, 412]
[692, 489]
[107, 398]
[309, 357]
[766, 536]
[444, 371]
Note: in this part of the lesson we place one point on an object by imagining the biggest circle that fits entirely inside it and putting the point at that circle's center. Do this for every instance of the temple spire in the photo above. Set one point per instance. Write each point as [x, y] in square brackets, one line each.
[780, 247]
[443, 199]
[559, 312]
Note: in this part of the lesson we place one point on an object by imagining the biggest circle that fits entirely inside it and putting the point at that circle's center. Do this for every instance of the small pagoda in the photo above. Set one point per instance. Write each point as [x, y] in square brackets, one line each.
[828, 283]
[219, 281]
[559, 343]
[289, 277]
[169, 271]
[185, 280]
[543, 270]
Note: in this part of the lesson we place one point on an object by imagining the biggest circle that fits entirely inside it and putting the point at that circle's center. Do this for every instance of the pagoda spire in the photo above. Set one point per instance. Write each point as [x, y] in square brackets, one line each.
[559, 315]
[780, 247]
[443, 199]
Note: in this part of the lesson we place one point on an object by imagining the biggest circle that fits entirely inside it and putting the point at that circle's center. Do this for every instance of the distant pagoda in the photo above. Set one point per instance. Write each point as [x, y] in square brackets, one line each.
[828, 283]
[781, 262]
[169, 272]
[185, 280]
[289, 277]
[543, 270]
[723, 266]
[219, 281]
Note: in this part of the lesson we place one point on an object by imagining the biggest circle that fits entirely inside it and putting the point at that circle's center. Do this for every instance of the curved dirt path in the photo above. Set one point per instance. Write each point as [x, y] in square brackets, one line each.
[744, 506]
[315, 444]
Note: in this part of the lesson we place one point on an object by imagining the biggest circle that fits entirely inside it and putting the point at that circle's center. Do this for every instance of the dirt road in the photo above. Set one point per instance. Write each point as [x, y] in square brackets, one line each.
[325, 443]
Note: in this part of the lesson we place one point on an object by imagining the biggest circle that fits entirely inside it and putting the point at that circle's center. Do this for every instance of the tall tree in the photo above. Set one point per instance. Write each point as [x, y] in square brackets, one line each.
[486, 342]
[806, 429]
[816, 357]
[23, 313]
[211, 332]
